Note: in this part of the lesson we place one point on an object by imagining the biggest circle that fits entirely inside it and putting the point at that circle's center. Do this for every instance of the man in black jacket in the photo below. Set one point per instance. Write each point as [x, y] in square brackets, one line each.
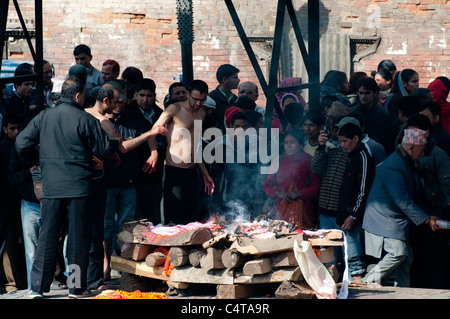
[377, 123]
[68, 139]
[356, 184]
[138, 117]
[228, 79]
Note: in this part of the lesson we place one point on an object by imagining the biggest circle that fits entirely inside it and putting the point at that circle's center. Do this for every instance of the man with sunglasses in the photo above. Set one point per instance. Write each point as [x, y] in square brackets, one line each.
[181, 176]
[250, 90]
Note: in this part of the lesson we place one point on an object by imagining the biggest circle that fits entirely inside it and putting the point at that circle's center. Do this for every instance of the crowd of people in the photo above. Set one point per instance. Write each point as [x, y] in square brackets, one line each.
[372, 160]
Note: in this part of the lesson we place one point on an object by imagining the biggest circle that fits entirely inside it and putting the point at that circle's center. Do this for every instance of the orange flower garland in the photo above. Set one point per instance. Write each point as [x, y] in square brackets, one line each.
[120, 294]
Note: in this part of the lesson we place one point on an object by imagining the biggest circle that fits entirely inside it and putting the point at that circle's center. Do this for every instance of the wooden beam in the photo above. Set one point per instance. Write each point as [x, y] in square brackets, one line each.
[252, 246]
[276, 275]
[235, 291]
[190, 274]
[137, 268]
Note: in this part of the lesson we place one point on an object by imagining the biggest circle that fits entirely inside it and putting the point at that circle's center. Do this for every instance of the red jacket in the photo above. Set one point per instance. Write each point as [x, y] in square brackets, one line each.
[308, 184]
[440, 94]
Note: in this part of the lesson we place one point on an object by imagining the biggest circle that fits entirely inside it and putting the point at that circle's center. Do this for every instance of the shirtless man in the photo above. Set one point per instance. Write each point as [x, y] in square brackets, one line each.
[181, 179]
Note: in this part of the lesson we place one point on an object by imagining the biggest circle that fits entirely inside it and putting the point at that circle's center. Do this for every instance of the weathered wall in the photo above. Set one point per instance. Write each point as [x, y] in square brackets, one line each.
[414, 34]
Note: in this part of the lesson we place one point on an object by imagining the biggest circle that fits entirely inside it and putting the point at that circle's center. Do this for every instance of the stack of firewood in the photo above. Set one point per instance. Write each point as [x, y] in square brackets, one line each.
[231, 261]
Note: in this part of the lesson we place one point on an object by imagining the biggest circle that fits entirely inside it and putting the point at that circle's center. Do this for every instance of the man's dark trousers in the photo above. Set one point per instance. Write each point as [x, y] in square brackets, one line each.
[79, 214]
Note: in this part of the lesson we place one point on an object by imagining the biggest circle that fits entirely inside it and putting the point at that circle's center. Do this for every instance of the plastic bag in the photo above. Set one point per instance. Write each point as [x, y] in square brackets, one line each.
[314, 272]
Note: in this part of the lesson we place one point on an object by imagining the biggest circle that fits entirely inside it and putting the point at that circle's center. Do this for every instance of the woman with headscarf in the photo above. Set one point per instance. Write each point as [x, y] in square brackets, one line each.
[405, 83]
[285, 98]
[293, 186]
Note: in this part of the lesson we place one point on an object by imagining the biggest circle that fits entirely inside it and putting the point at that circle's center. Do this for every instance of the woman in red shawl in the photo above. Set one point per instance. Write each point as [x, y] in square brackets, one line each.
[440, 88]
[294, 187]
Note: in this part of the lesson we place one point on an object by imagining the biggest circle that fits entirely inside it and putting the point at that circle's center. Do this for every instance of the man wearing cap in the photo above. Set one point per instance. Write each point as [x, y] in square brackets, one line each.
[356, 183]
[229, 113]
[342, 170]
[390, 209]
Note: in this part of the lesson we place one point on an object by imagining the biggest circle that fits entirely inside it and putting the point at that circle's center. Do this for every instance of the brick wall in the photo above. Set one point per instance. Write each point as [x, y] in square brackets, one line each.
[144, 34]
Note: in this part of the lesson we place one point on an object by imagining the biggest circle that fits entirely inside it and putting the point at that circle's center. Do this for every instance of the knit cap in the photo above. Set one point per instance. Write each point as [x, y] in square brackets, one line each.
[229, 112]
[414, 136]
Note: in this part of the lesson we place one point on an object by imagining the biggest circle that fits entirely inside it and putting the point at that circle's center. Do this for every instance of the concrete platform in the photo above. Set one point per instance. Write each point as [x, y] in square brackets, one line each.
[355, 293]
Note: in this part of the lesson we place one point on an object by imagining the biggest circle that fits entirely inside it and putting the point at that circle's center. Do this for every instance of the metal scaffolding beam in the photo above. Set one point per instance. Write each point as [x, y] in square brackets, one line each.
[36, 50]
[310, 56]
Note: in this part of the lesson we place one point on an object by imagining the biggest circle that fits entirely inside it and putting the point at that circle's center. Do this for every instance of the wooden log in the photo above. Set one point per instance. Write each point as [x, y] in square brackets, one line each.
[287, 258]
[212, 259]
[233, 259]
[257, 266]
[284, 259]
[196, 255]
[253, 246]
[155, 259]
[191, 237]
[326, 254]
[125, 236]
[235, 291]
[190, 274]
[129, 282]
[276, 275]
[294, 290]
[136, 251]
[138, 268]
[331, 238]
[177, 285]
[220, 240]
[178, 256]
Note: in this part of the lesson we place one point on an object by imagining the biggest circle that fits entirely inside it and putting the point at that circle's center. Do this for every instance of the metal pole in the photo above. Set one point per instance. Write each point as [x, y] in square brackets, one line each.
[273, 76]
[247, 46]
[4, 5]
[314, 53]
[186, 37]
[39, 53]
[24, 28]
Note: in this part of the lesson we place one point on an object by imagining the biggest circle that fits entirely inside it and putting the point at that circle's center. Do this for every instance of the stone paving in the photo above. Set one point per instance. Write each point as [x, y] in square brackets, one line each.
[381, 292]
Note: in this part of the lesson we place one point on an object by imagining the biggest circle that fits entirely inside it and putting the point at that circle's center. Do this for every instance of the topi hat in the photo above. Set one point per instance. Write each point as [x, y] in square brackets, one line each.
[414, 136]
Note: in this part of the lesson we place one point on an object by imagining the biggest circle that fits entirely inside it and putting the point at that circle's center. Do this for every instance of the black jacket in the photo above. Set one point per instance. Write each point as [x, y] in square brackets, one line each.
[20, 177]
[133, 121]
[378, 125]
[68, 138]
[356, 184]
[222, 103]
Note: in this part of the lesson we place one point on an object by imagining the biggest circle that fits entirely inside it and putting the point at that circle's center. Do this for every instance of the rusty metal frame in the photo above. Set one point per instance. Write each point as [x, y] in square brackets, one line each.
[36, 51]
[310, 56]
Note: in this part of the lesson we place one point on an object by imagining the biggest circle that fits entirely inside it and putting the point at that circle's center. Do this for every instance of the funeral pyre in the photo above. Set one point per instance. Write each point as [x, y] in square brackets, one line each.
[219, 251]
